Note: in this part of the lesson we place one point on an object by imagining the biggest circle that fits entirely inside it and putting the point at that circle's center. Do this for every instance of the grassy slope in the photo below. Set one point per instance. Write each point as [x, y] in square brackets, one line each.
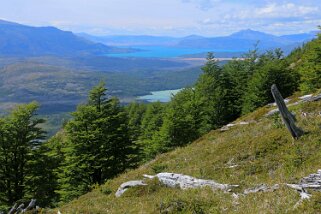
[264, 152]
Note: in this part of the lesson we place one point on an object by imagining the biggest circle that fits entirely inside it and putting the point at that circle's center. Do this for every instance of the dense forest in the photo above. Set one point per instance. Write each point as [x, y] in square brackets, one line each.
[104, 138]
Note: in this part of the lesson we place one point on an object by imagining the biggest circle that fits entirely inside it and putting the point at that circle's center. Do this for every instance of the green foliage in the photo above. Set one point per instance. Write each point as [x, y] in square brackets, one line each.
[182, 120]
[150, 138]
[310, 66]
[104, 139]
[271, 69]
[261, 154]
[135, 113]
[99, 145]
[20, 137]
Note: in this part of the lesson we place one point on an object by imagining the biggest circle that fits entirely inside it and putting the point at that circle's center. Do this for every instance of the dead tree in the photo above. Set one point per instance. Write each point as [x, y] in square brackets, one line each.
[287, 117]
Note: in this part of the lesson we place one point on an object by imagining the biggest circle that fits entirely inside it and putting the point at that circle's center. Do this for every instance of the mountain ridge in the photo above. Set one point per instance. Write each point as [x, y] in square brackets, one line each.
[243, 39]
[23, 40]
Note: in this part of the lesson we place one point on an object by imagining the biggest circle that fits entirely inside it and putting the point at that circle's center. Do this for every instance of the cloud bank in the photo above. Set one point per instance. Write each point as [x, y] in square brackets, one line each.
[167, 17]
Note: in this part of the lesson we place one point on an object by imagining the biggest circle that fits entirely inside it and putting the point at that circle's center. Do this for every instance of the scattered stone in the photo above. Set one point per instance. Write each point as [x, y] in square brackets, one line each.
[125, 186]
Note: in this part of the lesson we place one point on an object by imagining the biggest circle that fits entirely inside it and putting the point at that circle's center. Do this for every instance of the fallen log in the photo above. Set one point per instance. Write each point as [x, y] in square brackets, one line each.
[13, 209]
[188, 182]
[174, 180]
[31, 205]
[125, 186]
[261, 188]
[20, 209]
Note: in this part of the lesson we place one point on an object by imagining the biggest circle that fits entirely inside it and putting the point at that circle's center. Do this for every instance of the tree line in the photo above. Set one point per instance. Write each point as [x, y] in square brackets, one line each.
[104, 138]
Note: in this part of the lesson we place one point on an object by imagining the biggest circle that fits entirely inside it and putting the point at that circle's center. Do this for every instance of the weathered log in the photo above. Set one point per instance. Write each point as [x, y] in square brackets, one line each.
[261, 188]
[20, 208]
[13, 209]
[287, 117]
[31, 205]
[188, 182]
[125, 186]
[176, 180]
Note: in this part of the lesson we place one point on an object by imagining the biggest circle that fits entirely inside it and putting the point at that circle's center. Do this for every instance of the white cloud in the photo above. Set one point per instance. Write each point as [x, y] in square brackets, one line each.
[285, 10]
[203, 4]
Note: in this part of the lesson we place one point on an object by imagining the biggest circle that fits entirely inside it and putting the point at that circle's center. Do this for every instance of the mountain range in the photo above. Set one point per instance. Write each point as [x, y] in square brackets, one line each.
[22, 40]
[239, 41]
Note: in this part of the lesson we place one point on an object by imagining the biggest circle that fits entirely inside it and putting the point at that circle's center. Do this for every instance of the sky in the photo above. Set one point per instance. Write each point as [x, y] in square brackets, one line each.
[166, 17]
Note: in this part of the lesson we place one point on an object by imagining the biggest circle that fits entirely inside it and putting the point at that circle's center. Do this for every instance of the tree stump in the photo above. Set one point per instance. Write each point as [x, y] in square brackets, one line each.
[287, 117]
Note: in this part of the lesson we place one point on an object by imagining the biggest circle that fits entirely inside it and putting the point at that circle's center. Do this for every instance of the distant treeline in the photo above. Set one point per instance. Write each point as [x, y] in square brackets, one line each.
[103, 139]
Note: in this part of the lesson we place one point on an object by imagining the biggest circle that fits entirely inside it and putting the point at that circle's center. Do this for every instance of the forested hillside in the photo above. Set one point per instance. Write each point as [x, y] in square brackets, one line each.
[104, 139]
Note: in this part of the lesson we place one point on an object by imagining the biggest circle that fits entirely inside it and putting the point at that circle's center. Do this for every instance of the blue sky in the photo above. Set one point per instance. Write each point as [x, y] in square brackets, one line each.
[166, 17]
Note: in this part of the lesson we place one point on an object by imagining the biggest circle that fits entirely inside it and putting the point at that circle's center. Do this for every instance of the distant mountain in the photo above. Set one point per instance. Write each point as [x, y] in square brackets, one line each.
[303, 37]
[246, 39]
[22, 40]
[239, 41]
[139, 40]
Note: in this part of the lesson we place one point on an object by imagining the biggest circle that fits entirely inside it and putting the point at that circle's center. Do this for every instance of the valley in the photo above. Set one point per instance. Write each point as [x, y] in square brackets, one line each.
[169, 107]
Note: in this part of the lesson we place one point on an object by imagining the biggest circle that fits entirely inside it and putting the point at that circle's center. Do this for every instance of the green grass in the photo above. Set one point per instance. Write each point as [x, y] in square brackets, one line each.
[263, 151]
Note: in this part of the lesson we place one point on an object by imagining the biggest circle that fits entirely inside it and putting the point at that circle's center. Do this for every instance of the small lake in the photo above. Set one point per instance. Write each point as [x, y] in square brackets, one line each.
[164, 52]
[161, 96]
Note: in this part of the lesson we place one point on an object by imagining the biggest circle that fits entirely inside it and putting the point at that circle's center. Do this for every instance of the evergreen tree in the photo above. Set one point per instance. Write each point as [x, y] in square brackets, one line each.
[20, 137]
[214, 92]
[310, 66]
[151, 123]
[271, 69]
[98, 146]
[182, 121]
[135, 113]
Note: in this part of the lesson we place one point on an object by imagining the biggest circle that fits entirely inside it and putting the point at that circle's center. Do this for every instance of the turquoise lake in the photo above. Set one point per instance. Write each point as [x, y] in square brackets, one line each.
[161, 96]
[164, 52]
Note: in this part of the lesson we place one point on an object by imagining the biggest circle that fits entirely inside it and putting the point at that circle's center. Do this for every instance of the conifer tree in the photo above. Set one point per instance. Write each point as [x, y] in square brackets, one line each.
[98, 147]
[20, 137]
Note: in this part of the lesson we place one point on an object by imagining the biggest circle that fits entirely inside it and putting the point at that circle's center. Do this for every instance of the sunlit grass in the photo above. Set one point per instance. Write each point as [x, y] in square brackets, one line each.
[263, 153]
